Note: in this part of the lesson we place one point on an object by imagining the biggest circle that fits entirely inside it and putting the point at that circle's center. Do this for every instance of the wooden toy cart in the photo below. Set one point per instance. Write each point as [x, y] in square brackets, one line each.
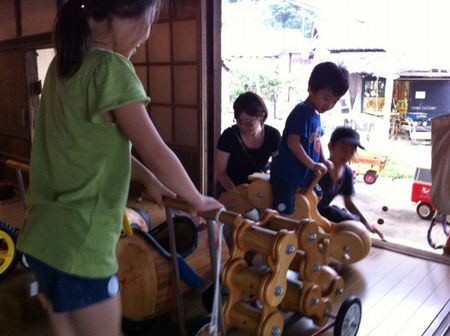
[298, 248]
[368, 166]
[346, 236]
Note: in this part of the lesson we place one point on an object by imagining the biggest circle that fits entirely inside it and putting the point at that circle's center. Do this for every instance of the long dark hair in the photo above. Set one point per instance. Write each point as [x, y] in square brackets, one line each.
[72, 33]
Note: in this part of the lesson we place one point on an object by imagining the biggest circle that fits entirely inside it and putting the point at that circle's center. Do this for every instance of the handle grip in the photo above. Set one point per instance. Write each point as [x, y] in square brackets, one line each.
[224, 216]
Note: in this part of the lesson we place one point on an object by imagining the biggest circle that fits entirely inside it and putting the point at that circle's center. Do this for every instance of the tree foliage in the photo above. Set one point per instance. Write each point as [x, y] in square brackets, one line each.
[268, 86]
[286, 14]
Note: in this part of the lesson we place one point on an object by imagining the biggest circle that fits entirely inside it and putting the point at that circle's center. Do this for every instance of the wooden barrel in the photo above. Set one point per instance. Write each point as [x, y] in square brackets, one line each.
[148, 286]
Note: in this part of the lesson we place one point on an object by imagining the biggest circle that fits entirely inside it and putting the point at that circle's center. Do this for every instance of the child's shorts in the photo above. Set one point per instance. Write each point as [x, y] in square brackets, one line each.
[283, 196]
[68, 292]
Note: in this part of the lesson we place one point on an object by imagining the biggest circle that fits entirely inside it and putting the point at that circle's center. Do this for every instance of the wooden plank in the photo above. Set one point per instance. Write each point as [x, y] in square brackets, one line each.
[359, 278]
[441, 324]
[411, 249]
[12, 213]
[386, 307]
[37, 17]
[8, 20]
[380, 281]
[381, 291]
[368, 273]
[403, 311]
[428, 306]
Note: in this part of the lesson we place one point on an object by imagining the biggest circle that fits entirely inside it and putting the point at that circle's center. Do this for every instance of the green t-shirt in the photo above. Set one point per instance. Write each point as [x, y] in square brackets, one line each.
[80, 167]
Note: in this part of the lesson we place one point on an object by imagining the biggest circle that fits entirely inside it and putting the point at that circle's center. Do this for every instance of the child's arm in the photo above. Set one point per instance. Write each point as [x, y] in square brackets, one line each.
[351, 206]
[221, 170]
[158, 157]
[154, 187]
[293, 142]
[328, 163]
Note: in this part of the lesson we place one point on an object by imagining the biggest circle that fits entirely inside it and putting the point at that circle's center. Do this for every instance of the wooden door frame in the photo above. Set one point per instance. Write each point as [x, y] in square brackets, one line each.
[211, 89]
[21, 139]
[210, 82]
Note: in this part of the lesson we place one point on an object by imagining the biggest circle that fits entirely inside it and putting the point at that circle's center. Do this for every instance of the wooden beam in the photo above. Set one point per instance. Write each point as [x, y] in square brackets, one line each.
[18, 12]
[35, 41]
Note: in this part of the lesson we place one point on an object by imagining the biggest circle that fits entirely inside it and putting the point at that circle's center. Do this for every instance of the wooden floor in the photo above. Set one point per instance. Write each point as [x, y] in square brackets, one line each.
[400, 294]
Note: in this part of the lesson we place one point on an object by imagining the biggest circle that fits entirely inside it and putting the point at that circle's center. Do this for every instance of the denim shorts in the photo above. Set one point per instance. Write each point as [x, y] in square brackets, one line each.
[69, 293]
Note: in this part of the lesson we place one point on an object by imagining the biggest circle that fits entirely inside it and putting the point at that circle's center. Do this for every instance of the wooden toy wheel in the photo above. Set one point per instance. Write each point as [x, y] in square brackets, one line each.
[358, 243]
[8, 252]
[348, 318]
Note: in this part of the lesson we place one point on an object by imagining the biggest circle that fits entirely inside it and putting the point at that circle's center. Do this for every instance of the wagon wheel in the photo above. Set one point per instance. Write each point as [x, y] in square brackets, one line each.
[8, 252]
[348, 318]
[424, 210]
[370, 177]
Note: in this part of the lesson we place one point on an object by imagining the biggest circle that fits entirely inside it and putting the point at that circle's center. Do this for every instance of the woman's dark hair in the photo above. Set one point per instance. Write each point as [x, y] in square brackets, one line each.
[72, 32]
[250, 103]
[328, 75]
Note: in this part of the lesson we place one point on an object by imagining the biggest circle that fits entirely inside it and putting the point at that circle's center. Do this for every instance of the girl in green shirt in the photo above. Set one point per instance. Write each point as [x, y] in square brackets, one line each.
[92, 106]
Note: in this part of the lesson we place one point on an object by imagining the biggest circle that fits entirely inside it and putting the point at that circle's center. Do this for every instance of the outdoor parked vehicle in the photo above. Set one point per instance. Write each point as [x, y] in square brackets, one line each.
[421, 192]
[417, 131]
[369, 166]
[420, 119]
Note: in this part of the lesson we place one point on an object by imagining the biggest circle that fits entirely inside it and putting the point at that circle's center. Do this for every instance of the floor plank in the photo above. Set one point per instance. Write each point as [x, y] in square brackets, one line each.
[387, 312]
[391, 287]
[441, 323]
[437, 286]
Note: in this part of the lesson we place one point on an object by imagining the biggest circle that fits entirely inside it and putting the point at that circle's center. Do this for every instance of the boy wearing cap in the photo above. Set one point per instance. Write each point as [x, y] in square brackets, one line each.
[339, 180]
[300, 152]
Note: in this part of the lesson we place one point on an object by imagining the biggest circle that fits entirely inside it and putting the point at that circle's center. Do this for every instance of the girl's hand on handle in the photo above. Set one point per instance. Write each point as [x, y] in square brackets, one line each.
[204, 204]
[156, 190]
[154, 187]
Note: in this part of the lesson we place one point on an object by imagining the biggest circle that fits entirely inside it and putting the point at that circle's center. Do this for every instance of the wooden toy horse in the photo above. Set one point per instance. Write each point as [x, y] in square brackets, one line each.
[349, 236]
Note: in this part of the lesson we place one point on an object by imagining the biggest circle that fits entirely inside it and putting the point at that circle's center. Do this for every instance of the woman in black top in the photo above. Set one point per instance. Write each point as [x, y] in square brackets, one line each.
[246, 147]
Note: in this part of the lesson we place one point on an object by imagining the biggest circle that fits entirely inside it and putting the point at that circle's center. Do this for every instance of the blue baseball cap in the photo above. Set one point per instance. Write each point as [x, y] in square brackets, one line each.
[346, 135]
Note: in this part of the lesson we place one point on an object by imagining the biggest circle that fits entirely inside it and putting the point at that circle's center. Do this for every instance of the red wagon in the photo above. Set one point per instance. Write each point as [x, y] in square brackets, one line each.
[421, 193]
